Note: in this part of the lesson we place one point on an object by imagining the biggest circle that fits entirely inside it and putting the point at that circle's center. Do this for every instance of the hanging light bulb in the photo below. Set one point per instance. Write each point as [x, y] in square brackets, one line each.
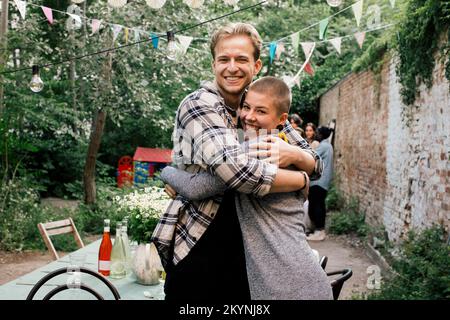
[194, 4]
[36, 83]
[174, 50]
[155, 4]
[334, 3]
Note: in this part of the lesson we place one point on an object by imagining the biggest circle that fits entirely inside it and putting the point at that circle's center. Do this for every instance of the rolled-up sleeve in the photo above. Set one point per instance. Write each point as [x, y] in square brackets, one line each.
[215, 147]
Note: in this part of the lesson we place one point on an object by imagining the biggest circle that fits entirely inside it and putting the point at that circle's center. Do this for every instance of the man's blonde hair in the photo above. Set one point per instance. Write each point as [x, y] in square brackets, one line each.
[235, 29]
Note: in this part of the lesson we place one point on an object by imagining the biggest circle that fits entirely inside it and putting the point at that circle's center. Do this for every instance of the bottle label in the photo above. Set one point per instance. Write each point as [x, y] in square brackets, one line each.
[106, 229]
[104, 265]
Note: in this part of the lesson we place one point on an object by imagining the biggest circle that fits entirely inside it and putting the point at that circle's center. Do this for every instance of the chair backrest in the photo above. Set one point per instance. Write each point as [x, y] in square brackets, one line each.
[66, 286]
[336, 284]
[58, 227]
[323, 262]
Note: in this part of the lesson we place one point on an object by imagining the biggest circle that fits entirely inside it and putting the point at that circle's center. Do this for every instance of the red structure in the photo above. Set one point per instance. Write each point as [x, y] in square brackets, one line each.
[125, 172]
[148, 160]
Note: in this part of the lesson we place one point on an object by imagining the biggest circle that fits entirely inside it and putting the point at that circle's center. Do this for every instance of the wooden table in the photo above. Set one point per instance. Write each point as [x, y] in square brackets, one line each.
[128, 288]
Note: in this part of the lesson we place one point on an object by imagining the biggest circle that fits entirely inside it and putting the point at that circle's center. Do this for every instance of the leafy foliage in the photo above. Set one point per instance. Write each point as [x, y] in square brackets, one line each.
[349, 220]
[418, 39]
[422, 270]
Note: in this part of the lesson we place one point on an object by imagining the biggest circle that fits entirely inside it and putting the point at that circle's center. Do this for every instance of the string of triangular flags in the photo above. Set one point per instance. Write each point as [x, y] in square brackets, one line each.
[357, 9]
[308, 49]
[75, 22]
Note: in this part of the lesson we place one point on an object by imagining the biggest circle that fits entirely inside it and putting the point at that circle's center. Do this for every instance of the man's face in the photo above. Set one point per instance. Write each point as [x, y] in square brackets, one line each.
[234, 65]
[259, 112]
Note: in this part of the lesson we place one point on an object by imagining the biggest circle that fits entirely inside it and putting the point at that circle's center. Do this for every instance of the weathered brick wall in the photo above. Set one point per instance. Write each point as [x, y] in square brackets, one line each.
[393, 158]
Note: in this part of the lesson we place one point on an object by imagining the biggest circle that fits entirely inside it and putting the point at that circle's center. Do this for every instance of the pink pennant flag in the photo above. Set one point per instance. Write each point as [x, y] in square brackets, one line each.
[360, 36]
[280, 49]
[308, 47]
[95, 24]
[48, 14]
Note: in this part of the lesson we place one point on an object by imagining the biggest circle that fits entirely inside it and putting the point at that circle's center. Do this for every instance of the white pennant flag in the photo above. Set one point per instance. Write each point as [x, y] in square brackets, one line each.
[295, 38]
[76, 18]
[336, 42]
[22, 7]
[137, 37]
[116, 28]
[95, 24]
[392, 3]
[280, 49]
[308, 47]
[360, 36]
[357, 10]
[184, 41]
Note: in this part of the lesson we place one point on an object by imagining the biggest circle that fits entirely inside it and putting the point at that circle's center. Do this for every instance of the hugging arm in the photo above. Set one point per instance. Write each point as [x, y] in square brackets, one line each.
[193, 186]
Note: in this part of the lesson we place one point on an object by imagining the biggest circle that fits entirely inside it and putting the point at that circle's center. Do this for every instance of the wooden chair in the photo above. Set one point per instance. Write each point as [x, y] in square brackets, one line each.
[58, 227]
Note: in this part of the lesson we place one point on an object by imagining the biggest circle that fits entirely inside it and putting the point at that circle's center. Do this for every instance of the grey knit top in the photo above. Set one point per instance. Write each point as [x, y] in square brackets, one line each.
[280, 263]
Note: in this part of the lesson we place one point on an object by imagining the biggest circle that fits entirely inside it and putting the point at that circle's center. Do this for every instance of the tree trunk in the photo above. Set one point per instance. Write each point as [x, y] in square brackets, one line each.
[98, 125]
[3, 47]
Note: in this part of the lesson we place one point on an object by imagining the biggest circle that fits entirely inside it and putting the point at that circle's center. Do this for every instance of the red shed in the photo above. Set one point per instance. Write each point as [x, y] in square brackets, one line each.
[148, 160]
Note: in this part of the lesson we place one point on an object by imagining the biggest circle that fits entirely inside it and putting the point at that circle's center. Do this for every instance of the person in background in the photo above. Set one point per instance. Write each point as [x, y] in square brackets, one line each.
[296, 123]
[319, 188]
[310, 133]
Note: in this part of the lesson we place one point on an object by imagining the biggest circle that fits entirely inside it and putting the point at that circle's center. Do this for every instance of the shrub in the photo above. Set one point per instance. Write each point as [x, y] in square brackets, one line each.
[422, 268]
[349, 220]
[334, 200]
[20, 212]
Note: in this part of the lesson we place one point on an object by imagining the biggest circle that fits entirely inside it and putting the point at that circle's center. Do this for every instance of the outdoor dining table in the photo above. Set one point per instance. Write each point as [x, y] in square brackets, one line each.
[127, 287]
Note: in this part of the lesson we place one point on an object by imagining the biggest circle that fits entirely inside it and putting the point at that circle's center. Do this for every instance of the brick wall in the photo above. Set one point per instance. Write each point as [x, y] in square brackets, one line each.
[393, 158]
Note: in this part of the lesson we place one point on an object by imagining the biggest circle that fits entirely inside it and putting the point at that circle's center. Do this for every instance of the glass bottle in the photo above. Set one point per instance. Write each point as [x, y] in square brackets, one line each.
[104, 253]
[126, 245]
[118, 262]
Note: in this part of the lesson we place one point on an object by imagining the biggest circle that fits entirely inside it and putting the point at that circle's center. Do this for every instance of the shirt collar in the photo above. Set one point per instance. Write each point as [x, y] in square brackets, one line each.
[212, 87]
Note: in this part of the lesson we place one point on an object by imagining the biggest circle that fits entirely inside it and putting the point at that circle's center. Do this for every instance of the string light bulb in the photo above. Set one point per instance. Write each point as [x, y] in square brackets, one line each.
[334, 3]
[174, 50]
[36, 83]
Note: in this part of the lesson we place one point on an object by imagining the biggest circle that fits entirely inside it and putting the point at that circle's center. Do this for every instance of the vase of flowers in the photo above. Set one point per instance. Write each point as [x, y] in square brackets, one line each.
[144, 208]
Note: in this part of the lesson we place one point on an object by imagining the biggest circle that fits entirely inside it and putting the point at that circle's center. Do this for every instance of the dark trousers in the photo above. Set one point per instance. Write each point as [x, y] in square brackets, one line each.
[214, 269]
[317, 210]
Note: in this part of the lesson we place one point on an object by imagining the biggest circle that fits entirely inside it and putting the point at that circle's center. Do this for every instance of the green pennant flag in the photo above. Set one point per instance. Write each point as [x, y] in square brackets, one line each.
[323, 26]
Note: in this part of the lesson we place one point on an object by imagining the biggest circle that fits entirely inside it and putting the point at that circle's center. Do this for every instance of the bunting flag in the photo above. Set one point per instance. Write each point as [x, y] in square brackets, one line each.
[392, 3]
[280, 49]
[75, 17]
[360, 36]
[309, 69]
[125, 31]
[95, 25]
[295, 39]
[336, 42]
[155, 40]
[184, 41]
[137, 37]
[291, 81]
[307, 48]
[116, 28]
[272, 51]
[48, 14]
[323, 26]
[22, 7]
[357, 8]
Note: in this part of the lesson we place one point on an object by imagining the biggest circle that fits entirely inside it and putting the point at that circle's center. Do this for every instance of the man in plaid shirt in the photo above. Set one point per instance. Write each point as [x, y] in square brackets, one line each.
[199, 242]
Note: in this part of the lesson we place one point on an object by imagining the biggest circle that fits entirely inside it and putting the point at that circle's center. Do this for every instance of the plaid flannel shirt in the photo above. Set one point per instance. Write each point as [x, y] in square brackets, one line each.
[215, 148]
